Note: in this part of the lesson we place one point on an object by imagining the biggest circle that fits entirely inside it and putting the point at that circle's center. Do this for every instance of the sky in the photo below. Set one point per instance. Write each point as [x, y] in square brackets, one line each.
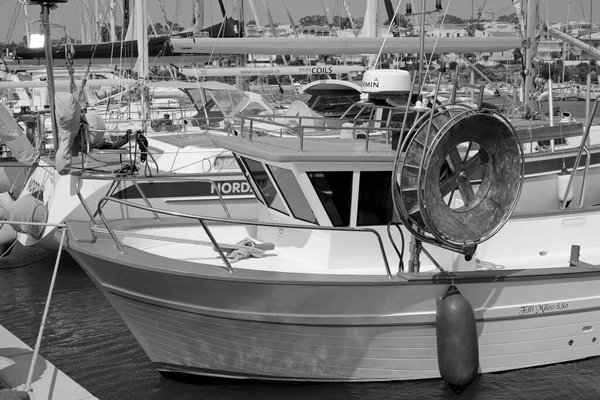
[180, 11]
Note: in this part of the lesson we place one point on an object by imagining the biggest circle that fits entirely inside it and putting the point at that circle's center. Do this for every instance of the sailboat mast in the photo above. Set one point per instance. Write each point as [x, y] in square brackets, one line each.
[143, 68]
[111, 16]
[239, 82]
[125, 19]
[26, 25]
[49, 69]
[97, 19]
[531, 50]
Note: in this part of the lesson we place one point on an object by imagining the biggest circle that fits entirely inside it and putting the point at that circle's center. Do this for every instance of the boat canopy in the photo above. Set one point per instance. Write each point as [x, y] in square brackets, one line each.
[331, 86]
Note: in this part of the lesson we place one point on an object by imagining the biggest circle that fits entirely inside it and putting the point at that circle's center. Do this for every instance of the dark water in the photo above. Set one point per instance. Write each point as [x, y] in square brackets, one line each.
[86, 339]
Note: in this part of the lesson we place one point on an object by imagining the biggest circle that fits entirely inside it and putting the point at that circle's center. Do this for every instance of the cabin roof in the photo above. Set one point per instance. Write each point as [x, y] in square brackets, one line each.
[287, 149]
[331, 86]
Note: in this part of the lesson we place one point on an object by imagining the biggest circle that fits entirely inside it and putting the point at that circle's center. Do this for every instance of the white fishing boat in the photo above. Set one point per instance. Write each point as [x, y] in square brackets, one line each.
[324, 287]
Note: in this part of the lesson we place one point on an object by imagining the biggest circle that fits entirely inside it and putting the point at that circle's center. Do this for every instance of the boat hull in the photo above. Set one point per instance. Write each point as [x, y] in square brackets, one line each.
[303, 327]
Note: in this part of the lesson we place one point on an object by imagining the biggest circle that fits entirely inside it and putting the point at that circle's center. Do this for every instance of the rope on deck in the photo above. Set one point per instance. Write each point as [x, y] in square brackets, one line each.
[248, 250]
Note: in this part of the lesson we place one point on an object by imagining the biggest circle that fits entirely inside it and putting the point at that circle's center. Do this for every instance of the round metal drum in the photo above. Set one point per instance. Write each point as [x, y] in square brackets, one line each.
[471, 178]
[411, 160]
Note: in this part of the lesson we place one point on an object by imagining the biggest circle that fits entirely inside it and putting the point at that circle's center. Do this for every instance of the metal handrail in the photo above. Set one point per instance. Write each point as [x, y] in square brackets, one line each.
[203, 220]
[135, 179]
[382, 131]
[582, 148]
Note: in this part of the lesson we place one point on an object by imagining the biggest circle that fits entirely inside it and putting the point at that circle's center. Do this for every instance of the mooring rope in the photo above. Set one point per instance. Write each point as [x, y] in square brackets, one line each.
[27, 386]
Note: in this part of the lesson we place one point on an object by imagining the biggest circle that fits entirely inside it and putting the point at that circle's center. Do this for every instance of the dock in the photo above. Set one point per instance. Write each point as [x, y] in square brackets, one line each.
[48, 381]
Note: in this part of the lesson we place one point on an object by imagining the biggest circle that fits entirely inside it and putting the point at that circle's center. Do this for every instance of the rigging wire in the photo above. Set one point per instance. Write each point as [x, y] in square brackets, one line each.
[392, 23]
[422, 83]
[11, 25]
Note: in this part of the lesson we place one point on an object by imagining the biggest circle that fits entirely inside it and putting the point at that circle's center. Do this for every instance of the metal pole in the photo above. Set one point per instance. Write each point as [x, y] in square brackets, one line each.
[565, 44]
[49, 71]
[97, 19]
[422, 49]
[588, 96]
[531, 47]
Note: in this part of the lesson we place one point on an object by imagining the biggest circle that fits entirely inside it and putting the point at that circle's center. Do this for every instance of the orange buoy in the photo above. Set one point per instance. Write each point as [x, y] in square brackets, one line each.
[457, 341]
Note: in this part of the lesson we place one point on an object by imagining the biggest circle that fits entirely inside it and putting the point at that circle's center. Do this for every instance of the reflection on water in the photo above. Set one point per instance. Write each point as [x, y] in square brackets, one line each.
[86, 339]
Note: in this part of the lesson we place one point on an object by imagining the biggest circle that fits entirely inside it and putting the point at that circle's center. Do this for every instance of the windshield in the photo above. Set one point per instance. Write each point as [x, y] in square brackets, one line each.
[228, 101]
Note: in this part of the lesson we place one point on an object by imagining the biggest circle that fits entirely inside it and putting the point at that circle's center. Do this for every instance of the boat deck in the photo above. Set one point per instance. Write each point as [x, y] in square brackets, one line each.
[331, 253]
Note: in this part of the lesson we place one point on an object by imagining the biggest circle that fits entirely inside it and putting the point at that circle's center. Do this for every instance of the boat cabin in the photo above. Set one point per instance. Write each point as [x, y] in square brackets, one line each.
[333, 182]
[341, 180]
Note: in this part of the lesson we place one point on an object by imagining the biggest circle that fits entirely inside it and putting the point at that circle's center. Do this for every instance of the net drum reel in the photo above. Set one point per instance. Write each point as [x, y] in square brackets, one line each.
[458, 177]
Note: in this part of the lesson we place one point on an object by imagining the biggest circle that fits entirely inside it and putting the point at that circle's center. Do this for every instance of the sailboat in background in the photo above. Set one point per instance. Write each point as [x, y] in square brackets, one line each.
[159, 48]
[55, 189]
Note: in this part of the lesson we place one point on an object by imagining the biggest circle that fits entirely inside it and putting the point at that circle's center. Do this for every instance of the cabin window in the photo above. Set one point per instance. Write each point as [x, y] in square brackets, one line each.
[334, 189]
[375, 205]
[327, 104]
[227, 100]
[265, 185]
[293, 194]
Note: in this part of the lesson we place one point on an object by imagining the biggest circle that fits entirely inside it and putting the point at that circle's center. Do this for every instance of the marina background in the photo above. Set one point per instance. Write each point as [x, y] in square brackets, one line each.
[87, 340]
[179, 11]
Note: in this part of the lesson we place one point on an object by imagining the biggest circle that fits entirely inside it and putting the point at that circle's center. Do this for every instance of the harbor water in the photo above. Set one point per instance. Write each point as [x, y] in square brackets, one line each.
[86, 339]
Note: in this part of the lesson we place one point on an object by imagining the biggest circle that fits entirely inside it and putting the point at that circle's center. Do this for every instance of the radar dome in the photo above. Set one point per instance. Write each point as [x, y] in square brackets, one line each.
[386, 81]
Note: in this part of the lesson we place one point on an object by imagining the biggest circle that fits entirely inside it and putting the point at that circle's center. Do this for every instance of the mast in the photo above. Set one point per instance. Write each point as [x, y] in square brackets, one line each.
[125, 19]
[111, 16]
[565, 47]
[422, 52]
[143, 68]
[46, 6]
[531, 50]
[239, 13]
[26, 24]
[97, 19]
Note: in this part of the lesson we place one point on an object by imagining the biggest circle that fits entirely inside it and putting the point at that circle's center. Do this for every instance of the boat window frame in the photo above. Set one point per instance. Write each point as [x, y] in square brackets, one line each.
[358, 192]
[285, 200]
[249, 179]
[287, 212]
[322, 204]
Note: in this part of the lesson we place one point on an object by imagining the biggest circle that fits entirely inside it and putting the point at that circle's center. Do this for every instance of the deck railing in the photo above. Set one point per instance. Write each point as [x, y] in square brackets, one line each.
[300, 127]
[582, 148]
[213, 241]
[115, 180]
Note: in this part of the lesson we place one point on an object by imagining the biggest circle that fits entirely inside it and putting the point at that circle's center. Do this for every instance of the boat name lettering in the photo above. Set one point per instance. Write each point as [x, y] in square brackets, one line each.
[370, 84]
[234, 187]
[316, 70]
[542, 308]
